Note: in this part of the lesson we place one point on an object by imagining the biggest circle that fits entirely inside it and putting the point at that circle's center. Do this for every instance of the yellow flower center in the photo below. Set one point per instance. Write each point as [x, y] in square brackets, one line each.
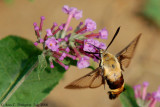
[50, 44]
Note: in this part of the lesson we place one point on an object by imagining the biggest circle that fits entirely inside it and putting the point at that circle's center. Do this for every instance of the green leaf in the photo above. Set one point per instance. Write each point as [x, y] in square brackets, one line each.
[152, 10]
[42, 63]
[17, 56]
[127, 97]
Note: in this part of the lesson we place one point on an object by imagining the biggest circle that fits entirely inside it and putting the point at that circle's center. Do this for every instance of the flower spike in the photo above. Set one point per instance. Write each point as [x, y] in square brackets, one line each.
[58, 44]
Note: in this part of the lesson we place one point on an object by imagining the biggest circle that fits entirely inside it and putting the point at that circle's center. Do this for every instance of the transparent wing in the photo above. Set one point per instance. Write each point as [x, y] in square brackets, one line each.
[127, 53]
[90, 80]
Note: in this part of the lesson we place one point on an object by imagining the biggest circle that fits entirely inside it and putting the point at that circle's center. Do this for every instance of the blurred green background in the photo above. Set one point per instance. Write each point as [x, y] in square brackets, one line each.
[134, 17]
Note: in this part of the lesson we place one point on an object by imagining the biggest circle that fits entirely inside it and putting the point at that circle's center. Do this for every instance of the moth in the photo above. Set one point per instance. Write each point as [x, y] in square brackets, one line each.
[109, 70]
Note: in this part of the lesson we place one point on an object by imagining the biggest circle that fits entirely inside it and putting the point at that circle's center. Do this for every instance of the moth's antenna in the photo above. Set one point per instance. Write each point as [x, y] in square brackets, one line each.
[113, 38]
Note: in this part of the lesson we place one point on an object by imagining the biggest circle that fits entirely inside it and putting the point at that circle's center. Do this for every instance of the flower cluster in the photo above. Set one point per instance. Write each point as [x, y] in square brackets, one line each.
[60, 41]
[145, 99]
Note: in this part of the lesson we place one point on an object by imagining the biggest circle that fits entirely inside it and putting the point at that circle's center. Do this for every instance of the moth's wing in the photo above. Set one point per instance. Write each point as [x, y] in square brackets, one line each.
[127, 53]
[90, 80]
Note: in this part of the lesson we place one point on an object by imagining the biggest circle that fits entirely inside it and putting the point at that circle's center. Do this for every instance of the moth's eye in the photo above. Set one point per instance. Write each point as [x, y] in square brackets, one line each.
[113, 66]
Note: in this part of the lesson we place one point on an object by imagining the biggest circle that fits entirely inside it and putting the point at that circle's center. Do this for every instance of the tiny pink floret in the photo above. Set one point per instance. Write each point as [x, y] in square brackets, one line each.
[35, 43]
[83, 62]
[36, 28]
[103, 34]
[51, 65]
[42, 18]
[67, 50]
[90, 24]
[49, 32]
[66, 67]
[41, 40]
[34, 24]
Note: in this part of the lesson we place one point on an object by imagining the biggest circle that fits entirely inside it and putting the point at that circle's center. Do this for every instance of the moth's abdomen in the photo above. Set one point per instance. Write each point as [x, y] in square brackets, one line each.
[117, 87]
[115, 84]
[116, 92]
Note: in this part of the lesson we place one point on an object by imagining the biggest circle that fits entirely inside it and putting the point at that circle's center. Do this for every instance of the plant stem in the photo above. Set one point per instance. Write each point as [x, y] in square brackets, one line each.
[18, 84]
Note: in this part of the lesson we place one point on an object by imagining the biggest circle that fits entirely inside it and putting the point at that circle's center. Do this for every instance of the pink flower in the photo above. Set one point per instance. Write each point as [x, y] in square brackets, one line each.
[137, 91]
[145, 85]
[146, 99]
[66, 9]
[41, 23]
[102, 45]
[36, 28]
[51, 65]
[83, 62]
[90, 24]
[72, 11]
[63, 56]
[103, 34]
[157, 95]
[59, 44]
[54, 25]
[34, 24]
[52, 44]
[49, 32]
[41, 40]
[91, 45]
[78, 14]
[67, 49]
[35, 43]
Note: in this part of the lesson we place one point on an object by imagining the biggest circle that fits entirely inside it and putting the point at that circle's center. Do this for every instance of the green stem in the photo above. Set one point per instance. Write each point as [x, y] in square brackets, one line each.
[18, 84]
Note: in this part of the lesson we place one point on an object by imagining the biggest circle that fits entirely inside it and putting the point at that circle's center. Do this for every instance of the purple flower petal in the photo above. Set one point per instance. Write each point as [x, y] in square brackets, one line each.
[36, 28]
[66, 67]
[42, 17]
[144, 92]
[91, 45]
[52, 44]
[35, 43]
[103, 34]
[137, 91]
[66, 9]
[41, 40]
[55, 48]
[148, 96]
[67, 49]
[49, 32]
[85, 58]
[96, 43]
[34, 24]
[51, 65]
[83, 62]
[157, 94]
[90, 24]
[89, 48]
[78, 14]
[145, 84]
[72, 10]
[102, 45]
[63, 56]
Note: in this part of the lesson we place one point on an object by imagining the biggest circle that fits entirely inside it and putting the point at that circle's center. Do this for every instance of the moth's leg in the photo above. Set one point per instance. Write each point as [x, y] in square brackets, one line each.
[95, 46]
[93, 54]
